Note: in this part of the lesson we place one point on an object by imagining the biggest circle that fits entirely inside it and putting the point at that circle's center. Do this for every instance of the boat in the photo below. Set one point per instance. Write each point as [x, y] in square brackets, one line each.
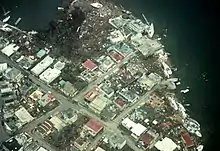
[147, 22]
[6, 19]
[17, 21]
[198, 134]
[6, 13]
[151, 30]
[96, 5]
[184, 91]
[200, 148]
[173, 103]
[167, 70]
[178, 83]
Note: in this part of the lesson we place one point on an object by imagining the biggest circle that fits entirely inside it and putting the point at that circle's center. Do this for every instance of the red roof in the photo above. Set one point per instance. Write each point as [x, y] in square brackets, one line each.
[120, 102]
[116, 56]
[94, 125]
[187, 139]
[88, 64]
[146, 138]
[91, 95]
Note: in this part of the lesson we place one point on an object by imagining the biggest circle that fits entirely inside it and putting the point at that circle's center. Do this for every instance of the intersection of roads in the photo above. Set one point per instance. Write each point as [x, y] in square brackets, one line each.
[65, 104]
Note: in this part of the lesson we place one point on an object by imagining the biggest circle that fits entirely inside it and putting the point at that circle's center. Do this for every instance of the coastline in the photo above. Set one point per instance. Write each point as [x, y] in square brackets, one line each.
[171, 57]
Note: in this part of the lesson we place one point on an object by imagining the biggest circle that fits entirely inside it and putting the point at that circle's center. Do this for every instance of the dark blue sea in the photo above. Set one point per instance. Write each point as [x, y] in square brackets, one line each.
[190, 40]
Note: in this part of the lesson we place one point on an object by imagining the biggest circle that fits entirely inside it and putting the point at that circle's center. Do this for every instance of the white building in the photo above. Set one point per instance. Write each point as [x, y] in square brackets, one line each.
[10, 49]
[43, 65]
[49, 75]
[59, 65]
[23, 115]
[166, 145]
[117, 141]
[136, 128]
[3, 67]
[116, 36]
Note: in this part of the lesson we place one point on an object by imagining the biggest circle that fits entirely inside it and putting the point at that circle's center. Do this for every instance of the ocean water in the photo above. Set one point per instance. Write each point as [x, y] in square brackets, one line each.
[189, 39]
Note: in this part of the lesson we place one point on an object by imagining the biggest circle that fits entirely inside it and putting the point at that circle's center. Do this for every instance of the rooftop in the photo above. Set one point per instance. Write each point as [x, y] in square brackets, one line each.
[99, 149]
[94, 125]
[98, 104]
[138, 129]
[116, 56]
[47, 98]
[58, 124]
[36, 95]
[41, 66]
[42, 149]
[146, 138]
[166, 145]
[105, 63]
[12, 144]
[41, 53]
[23, 115]
[50, 75]
[12, 73]
[89, 64]
[120, 102]
[59, 65]
[91, 95]
[9, 49]
[187, 140]
[69, 88]
[3, 67]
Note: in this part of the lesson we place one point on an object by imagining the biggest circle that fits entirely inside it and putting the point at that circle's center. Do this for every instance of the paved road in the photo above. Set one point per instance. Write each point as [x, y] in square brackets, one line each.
[111, 126]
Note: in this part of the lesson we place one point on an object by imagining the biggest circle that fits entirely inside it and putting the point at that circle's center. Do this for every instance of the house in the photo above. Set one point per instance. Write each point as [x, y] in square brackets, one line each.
[36, 95]
[106, 90]
[186, 138]
[59, 65]
[42, 149]
[16, 143]
[99, 149]
[120, 103]
[105, 63]
[41, 53]
[12, 145]
[89, 65]
[91, 95]
[116, 141]
[98, 104]
[43, 65]
[57, 123]
[116, 56]
[50, 75]
[10, 49]
[130, 97]
[24, 116]
[93, 126]
[166, 145]
[69, 89]
[47, 98]
[145, 45]
[13, 74]
[3, 67]
[68, 116]
[45, 128]
[116, 36]
[136, 128]
[32, 146]
[121, 48]
[81, 143]
[148, 138]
